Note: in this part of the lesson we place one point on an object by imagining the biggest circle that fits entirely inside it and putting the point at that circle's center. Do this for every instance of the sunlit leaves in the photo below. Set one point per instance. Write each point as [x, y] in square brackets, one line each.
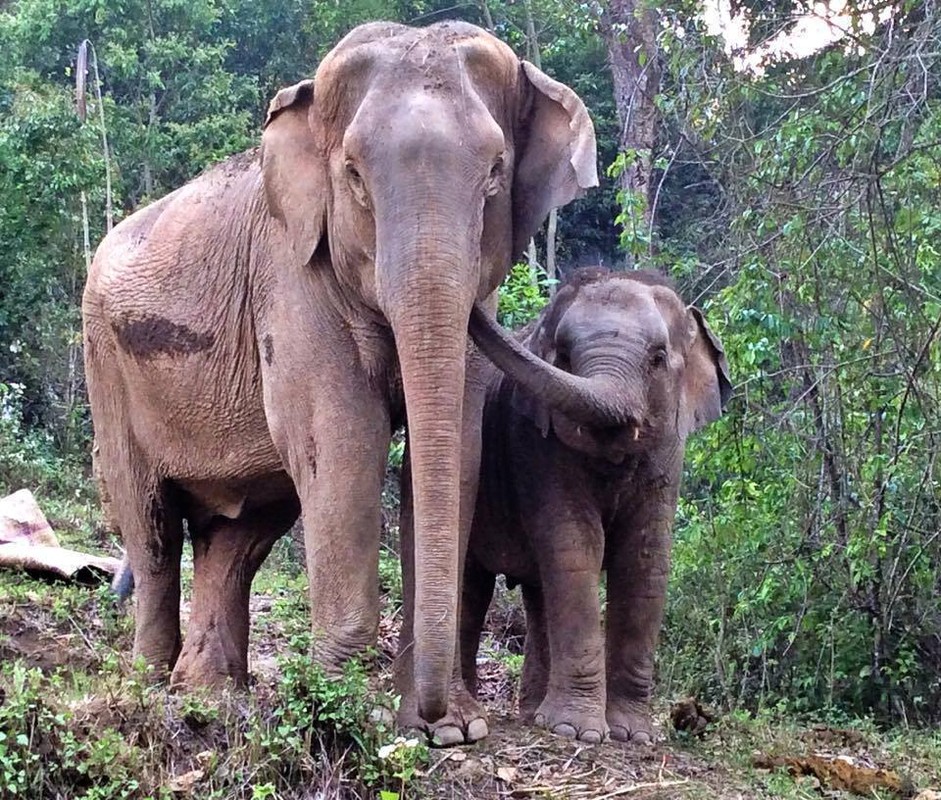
[812, 509]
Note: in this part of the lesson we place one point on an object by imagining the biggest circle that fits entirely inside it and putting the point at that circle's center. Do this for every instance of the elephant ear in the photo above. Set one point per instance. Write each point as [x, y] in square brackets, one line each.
[555, 152]
[293, 169]
[706, 383]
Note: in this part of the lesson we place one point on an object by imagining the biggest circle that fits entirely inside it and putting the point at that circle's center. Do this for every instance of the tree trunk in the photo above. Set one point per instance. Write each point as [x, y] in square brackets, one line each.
[488, 17]
[532, 259]
[551, 269]
[630, 30]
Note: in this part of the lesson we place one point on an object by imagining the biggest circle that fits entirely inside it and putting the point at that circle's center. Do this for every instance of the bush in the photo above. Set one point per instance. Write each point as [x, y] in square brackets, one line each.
[28, 456]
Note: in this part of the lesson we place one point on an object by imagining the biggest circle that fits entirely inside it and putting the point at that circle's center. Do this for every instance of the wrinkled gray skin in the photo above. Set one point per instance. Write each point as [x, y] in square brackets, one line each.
[252, 339]
[561, 500]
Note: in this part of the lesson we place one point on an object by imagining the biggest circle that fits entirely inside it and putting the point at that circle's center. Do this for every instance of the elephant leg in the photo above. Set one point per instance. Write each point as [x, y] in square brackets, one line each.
[638, 571]
[341, 513]
[535, 679]
[153, 537]
[466, 720]
[139, 503]
[570, 544]
[330, 422]
[143, 508]
[226, 555]
[476, 594]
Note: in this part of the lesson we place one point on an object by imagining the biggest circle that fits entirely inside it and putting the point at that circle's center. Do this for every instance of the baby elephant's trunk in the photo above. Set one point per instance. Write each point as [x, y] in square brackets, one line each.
[601, 401]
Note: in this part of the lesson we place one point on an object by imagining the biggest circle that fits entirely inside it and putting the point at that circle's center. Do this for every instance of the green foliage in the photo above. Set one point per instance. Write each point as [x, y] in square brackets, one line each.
[19, 717]
[99, 727]
[523, 295]
[807, 555]
[26, 456]
[47, 158]
[635, 237]
[39, 748]
[315, 711]
[390, 575]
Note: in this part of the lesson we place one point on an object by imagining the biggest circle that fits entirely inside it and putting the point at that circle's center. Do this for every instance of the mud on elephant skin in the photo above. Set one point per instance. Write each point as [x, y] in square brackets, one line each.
[252, 338]
[563, 498]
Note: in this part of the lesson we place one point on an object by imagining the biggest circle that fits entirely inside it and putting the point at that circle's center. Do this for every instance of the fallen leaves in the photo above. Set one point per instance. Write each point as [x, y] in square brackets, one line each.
[840, 773]
[521, 762]
[185, 783]
[506, 774]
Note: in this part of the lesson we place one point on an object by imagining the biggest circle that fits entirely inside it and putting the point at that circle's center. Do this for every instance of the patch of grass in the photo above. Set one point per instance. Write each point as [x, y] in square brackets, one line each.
[390, 575]
[738, 737]
[78, 719]
[126, 738]
[70, 694]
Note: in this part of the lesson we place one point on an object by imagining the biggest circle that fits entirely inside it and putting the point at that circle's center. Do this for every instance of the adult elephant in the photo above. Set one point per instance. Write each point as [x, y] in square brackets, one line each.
[252, 338]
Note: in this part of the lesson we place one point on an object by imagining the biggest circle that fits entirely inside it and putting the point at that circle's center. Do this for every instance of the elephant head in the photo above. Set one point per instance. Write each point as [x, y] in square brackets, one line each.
[653, 367]
[424, 159]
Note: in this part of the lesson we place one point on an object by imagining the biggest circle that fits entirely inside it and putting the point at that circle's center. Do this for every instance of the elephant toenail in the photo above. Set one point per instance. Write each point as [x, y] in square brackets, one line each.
[566, 730]
[447, 736]
[477, 730]
[539, 720]
[620, 733]
[642, 737]
[591, 737]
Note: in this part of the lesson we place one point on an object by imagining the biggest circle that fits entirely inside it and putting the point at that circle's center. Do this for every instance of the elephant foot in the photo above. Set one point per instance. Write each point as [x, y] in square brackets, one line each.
[563, 719]
[208, 660]
[160, 664]
[527, 710]
[630, 721]
[465, 722]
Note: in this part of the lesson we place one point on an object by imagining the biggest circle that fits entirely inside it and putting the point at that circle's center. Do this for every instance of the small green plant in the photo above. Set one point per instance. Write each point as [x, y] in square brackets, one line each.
[40, 747]
[513, 663]
[402, 760]
[263, 791]
[397, 450]
[198, 710]
[390, 574]
[523, 295]
[635, 235]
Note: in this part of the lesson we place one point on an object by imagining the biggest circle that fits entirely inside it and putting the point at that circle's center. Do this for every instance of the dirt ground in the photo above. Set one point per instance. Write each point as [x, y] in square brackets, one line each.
[51, 626]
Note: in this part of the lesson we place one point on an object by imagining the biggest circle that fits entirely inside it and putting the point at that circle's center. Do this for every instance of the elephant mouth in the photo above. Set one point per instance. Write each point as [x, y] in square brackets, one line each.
[609, 443]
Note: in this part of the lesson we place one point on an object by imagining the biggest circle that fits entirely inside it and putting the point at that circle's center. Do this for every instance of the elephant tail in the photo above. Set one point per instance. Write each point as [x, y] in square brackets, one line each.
[123, 582]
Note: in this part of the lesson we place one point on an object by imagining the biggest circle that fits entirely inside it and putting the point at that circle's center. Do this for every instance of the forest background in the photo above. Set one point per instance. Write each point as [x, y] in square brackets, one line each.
[794, 196]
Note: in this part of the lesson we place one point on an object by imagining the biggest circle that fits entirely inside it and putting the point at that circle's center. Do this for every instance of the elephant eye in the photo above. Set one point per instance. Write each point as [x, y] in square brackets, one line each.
[353, 172]
[495, 179]
[357, 184]
[497, 169]
[658, 358]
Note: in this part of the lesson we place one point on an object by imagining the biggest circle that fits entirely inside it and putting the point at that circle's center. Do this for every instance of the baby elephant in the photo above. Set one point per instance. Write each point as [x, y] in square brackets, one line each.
[560, 500]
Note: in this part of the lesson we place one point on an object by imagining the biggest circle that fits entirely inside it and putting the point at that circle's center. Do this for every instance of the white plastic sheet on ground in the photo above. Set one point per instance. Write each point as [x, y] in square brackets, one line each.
[28, 543]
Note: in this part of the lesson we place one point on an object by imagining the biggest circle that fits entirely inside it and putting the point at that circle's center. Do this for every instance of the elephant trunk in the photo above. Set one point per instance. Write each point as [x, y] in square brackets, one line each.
[603, 400]
[427, 287]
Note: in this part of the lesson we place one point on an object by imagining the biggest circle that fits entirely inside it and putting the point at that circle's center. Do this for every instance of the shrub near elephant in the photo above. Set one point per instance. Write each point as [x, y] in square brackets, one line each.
[252, 339]
[560, 500]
